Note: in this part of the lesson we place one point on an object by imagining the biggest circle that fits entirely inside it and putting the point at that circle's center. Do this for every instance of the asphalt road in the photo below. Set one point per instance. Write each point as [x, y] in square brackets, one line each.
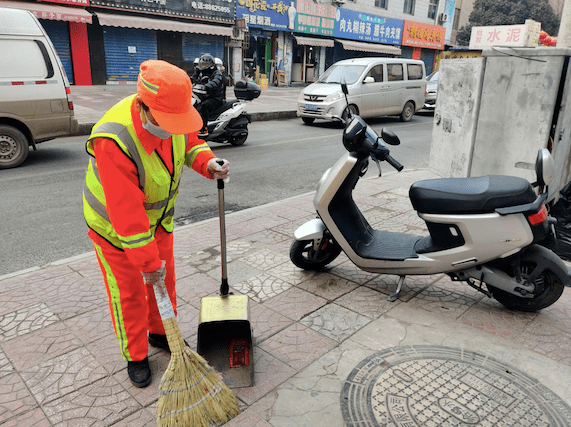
[40, 202]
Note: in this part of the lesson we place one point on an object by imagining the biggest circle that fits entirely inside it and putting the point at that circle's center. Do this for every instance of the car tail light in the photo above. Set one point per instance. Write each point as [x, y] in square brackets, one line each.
[68, 95]
[538, 217]
[425, 89]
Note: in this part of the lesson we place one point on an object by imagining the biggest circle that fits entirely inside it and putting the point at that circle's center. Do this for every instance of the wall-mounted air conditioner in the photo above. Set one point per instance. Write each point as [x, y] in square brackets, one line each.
[443, 17]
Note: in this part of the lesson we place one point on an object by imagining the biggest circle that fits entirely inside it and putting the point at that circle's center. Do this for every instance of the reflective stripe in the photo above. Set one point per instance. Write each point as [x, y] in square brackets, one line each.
[115, 295]
[95, 170]
[123, 134]
[149, 86]
[94, 203]
[136, 240]
[162, 203]
[191, 155]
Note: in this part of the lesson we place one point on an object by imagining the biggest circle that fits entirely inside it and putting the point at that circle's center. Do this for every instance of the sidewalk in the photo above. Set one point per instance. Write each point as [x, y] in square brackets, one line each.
[330, 350]
[91, 102]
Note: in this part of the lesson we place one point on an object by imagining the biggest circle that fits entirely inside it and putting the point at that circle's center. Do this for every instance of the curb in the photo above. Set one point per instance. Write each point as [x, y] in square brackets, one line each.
[85, 128]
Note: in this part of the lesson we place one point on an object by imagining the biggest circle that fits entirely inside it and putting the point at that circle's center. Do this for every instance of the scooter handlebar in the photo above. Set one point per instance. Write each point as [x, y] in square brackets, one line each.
[394, 163]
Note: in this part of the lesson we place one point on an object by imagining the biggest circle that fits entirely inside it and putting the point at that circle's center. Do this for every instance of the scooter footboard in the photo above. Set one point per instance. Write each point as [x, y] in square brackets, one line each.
[311, 230]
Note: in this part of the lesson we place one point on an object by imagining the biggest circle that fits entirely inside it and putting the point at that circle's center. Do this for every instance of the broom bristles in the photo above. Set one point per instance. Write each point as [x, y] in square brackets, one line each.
[191, 392]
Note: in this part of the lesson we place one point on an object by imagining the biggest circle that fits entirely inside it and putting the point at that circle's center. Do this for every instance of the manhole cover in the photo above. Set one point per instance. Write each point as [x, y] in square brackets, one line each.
[422, 386]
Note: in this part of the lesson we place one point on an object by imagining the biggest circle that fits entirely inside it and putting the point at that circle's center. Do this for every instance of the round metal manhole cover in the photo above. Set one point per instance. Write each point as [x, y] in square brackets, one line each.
[422, 386]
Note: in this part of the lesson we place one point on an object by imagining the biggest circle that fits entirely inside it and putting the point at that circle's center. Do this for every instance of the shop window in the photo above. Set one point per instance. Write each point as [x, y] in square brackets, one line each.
[383, 4]
[408, 7]
[394, 72]
[432, 8]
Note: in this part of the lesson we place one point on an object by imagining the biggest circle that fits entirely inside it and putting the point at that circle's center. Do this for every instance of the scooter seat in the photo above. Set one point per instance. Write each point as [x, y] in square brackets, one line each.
[470, 195]
[226, 106]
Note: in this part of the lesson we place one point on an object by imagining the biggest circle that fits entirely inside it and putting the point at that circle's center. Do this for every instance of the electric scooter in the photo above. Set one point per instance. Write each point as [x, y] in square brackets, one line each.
[229, 122]
[482, 230]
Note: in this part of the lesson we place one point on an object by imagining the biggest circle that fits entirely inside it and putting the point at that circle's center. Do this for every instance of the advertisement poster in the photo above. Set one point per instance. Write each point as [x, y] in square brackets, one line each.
[502, 35]
[425, 36]
[367, 28]
[314, 18]
[212, 10]
[270, 14]
[449, 9]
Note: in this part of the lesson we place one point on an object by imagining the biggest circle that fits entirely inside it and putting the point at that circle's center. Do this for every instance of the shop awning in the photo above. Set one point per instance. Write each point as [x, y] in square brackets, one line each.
[49, 11]
[369, 47]
[312, 41]
[161, 24]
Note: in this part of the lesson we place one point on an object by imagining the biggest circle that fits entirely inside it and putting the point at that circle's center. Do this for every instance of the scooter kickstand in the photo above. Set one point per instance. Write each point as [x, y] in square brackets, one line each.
[395, 296]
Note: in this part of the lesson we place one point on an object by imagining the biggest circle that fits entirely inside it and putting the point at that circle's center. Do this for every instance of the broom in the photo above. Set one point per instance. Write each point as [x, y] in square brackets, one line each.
[191, 393]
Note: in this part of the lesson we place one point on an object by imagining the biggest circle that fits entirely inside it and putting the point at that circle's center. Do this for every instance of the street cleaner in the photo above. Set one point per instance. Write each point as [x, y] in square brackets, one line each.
[138, 151]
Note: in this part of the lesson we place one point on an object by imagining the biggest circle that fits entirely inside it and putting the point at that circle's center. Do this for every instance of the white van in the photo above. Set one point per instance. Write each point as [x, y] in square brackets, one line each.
[35, 100]
[377, 87]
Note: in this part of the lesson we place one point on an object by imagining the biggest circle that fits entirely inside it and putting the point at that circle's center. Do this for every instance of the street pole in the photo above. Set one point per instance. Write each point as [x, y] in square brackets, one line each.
[564, 36]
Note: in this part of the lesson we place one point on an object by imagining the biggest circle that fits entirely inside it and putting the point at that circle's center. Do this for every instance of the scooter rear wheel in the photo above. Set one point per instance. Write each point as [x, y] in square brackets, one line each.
[303, 255]
[548, 289]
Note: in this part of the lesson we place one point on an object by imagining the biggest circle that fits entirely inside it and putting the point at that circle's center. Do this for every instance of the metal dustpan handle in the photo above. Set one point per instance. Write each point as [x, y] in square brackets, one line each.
[224, 285]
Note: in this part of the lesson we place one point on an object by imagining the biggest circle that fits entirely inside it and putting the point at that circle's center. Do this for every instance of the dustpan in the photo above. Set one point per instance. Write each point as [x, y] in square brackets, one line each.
[224, 329]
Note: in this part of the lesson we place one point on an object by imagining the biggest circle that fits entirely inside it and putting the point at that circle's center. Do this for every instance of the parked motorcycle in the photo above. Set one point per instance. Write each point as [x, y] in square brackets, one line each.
[229, 122]
[482, 230]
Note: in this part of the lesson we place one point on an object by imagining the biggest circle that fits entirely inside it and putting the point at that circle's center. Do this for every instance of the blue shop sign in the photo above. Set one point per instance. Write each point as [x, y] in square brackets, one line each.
[270, 14]
[368, 28]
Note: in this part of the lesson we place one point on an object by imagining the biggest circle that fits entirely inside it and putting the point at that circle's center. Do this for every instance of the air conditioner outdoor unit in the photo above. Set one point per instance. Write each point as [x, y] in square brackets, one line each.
[443, 17]
[237, 33]
[339, 1]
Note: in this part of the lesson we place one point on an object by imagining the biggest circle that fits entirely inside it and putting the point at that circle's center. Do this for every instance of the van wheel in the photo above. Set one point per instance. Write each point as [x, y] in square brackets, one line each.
[14, 147]
[308, 120]
[407, 112]
[345, 116]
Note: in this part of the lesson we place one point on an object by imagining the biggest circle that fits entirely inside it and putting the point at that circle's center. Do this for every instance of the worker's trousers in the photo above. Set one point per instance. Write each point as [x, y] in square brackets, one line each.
[132, 304]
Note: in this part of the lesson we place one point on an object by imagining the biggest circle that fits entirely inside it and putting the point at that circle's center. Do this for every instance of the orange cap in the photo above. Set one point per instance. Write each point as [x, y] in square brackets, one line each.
[167, 91]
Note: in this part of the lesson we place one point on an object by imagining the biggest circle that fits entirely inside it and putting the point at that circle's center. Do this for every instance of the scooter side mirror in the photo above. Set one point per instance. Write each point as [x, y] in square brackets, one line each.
[390, 137]
[544, 167]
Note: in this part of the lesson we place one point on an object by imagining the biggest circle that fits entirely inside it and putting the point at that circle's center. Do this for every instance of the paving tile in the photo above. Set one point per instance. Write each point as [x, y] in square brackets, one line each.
[367, 302]
[183, 269]
[265, 259]
[327, 286]
[413, 285]
[33, 418]
[263, 287]
[335, 322]
[70, 295]
[295, 303]
[92, 326]
[184, 245]
[187, 318]
[25, 320]
[272, 238]
[6, 367]
[192, 288]
[40, 345]
[88, 268]
[491, 317]
[141, 418]
[16, 299]
[291, 274]
[288, 228]
[67, 373]
[107, 352]
[298, 346]
[269, 374]
[266, 322]
[248, 418]
[15, 399]
[347, 270]
[46, 273]
[100, 404]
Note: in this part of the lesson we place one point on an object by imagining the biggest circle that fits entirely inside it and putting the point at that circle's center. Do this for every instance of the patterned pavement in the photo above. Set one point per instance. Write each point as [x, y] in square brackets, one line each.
[60, 364]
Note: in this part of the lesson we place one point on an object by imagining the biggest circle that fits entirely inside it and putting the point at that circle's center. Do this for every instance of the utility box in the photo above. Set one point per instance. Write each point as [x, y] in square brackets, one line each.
[494, 113]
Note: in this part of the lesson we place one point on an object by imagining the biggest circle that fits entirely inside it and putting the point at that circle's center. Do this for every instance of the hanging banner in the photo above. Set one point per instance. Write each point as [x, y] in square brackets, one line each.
[506, 35]
[425, 36]
[70, 2]
[267, 14]
[315, 18]
[368, 28]
[211, 10]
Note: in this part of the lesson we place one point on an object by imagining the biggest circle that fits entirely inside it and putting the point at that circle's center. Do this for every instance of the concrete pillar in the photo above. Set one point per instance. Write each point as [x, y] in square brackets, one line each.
[564, 36]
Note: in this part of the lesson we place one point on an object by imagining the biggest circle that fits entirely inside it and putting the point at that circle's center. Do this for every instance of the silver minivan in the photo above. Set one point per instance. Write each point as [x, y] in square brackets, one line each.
[35, 97]
[377, 87]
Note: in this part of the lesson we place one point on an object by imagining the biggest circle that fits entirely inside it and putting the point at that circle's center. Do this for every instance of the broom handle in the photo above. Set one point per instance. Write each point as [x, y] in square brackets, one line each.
[163, 301]
[224, 285]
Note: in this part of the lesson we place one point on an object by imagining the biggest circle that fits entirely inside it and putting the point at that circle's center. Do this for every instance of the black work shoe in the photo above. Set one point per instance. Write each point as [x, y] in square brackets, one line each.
[160, 341]
[139, 372]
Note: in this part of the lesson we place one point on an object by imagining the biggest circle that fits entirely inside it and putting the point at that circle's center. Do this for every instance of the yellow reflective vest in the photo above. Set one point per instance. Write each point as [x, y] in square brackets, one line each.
[159, 187]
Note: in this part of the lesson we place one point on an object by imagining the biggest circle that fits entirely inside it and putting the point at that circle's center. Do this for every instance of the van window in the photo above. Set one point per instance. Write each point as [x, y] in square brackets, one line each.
[414, 71]
[14, 64]
[394, 72]
[335, 73]
[376, 72]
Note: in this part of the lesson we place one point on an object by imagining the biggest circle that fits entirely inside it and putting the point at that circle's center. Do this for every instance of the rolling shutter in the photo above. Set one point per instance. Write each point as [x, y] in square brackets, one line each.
[427, 56]
[59, 35]
[194, 45]
[125, 49]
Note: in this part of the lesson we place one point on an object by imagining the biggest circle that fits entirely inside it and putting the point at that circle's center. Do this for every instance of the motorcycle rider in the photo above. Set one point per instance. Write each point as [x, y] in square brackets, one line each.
[210, 82]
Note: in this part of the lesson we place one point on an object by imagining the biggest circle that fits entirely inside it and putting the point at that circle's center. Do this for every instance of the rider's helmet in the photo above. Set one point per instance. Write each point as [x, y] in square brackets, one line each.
[206, 62]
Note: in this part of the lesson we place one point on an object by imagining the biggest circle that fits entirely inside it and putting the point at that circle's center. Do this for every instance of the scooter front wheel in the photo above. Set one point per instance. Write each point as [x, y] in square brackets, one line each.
[303, 254]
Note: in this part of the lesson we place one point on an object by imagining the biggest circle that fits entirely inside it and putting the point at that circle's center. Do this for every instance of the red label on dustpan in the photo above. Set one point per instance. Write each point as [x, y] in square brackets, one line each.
[239, 353]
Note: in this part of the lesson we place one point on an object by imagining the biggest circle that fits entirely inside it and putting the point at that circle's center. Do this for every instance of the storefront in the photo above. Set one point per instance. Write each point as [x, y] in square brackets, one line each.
[423, 41]
[67, 28]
